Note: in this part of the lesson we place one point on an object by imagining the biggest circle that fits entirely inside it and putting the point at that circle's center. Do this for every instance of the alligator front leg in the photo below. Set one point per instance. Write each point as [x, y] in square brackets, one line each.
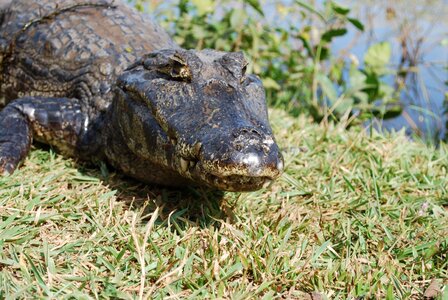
[58, 122]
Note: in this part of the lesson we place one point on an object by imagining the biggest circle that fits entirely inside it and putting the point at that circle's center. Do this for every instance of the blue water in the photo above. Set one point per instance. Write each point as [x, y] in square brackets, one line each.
[425, 90]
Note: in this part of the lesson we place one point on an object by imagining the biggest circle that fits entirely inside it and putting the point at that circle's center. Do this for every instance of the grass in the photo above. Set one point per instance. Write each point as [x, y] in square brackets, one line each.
[353, 216]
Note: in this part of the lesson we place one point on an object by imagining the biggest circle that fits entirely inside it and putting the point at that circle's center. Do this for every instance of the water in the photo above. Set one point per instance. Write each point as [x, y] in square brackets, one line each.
[424, 26]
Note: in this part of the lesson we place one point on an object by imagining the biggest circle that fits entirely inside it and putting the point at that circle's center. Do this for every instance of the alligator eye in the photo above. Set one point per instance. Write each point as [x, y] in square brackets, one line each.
[167, 63]
[244, 70]
[243, 74]
[179, 71]
[175, 70]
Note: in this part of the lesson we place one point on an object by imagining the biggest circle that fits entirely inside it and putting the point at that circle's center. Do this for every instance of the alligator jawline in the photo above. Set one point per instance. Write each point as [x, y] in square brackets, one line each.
[240, 182]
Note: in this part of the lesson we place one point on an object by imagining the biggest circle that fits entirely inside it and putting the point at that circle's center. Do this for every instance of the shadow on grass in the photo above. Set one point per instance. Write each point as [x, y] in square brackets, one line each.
[184, 206]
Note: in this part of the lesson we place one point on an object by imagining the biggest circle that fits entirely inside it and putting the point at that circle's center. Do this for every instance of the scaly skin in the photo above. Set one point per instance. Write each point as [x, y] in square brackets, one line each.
[97, 80]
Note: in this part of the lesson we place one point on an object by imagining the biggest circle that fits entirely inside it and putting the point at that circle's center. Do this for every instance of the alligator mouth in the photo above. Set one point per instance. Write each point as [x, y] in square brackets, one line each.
[196, 170]
[231, 183]
[222, 176]
[239, 183]
[226, 177]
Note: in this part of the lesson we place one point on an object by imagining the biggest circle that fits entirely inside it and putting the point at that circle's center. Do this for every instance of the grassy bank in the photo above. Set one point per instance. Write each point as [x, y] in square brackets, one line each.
[354, 215]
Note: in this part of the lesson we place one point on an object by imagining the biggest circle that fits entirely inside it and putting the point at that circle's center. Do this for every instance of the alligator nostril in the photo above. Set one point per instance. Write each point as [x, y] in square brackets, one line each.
[247, 131]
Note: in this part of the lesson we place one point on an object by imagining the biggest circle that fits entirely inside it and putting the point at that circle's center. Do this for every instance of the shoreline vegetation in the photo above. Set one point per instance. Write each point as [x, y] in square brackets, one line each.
[356, 214]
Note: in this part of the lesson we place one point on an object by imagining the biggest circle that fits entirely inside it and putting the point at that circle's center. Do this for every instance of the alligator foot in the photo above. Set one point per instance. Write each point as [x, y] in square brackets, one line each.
[15, 138]
[54, 121]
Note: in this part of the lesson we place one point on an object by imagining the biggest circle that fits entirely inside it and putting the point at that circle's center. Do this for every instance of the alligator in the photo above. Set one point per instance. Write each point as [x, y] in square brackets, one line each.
[100, 81]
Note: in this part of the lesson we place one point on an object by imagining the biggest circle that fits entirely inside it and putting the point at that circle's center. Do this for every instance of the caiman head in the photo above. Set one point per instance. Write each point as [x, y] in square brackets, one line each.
[199, 115]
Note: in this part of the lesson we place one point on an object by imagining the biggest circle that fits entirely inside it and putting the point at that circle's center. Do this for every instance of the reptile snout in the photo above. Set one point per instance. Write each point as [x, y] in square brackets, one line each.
[245, 160]
[255, 153]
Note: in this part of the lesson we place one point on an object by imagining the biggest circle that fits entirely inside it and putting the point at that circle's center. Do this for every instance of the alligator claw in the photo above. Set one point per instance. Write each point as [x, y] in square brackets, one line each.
[6, 169]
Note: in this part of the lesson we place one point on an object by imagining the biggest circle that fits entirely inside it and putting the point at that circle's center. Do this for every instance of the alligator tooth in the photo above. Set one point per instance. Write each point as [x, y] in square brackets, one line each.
[192, 164]
[197, 147]
[183, 164]
[267, 183]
